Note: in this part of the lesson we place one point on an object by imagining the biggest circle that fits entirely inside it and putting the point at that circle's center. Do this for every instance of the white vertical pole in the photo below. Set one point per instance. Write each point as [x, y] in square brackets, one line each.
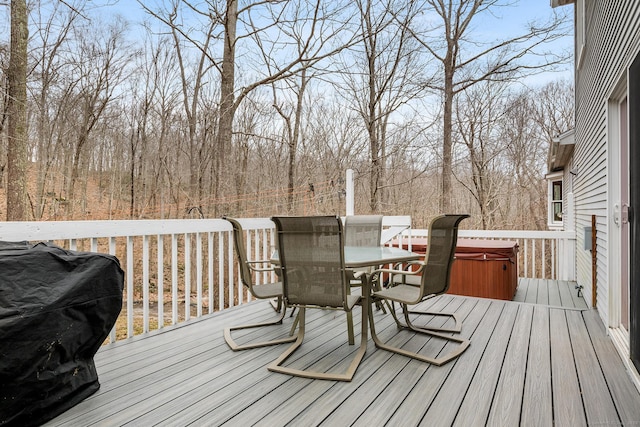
[350, 193]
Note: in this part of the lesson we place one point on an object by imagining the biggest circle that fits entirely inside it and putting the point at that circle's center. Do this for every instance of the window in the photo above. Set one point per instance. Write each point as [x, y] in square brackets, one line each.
[556, 201]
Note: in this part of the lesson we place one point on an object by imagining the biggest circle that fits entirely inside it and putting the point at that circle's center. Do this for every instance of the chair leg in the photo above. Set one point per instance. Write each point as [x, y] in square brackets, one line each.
[410, 325]
[438, 361]
[276, 366]
[350, 333]
[375, 286]
[236, 347]
[456, 328]
[276, 303]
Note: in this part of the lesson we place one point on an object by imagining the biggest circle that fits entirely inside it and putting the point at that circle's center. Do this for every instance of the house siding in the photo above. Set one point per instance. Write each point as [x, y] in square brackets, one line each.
[612, 39]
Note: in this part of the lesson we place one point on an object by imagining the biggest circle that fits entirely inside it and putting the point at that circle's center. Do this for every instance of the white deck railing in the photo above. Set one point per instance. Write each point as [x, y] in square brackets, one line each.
[179, 269]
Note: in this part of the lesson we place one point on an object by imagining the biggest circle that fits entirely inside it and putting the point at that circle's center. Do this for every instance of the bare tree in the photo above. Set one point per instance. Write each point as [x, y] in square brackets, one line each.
[17, 153]
[51, 39]
[291, 131]
[389, 75]
[465, 60]
[479, 111]
[4, 107]
[533, 119]
[250, 22]
[101, 64]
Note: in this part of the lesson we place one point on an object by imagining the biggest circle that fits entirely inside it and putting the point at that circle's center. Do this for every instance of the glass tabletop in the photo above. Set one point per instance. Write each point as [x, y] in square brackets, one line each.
[369, 256]
[365, 256]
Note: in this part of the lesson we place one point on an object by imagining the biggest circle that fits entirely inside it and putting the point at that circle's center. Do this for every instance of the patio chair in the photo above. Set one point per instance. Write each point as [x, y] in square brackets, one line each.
[362, 230]
[262, 291]
[311, 256]
[431, 278]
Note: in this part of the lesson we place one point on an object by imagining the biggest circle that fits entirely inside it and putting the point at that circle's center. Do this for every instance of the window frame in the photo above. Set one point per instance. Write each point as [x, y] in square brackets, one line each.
[554, 180]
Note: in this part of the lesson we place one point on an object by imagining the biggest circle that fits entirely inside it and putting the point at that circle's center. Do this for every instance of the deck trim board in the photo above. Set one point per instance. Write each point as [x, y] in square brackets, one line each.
[536, 357]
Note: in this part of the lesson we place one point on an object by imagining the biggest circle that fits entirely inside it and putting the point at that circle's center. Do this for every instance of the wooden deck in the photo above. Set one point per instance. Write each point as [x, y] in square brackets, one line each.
[556, 293]
[527, 365]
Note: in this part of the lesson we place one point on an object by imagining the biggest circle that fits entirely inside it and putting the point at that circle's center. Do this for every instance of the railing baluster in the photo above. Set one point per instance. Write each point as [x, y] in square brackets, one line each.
[210, 258]
[265, 254]
[145, 284]
[187, 276]
[553, 259]
[526, 258]
[221, 271]
[112, 251]
[199, 273]
[174, 279]
[544, 259]
[231, 286]
[129, 282]
[160, 280]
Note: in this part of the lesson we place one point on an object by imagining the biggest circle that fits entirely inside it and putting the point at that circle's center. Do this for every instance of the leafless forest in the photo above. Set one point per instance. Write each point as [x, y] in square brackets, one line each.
[178, 109]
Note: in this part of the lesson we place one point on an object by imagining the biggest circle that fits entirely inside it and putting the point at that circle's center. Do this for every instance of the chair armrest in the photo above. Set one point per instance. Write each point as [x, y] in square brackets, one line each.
[259, 261]
[397, 266]
[357, 274]
[392, 272]
[261, 269]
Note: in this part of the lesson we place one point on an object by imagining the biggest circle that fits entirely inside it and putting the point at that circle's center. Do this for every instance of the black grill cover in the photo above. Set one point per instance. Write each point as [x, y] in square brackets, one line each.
[56, 309]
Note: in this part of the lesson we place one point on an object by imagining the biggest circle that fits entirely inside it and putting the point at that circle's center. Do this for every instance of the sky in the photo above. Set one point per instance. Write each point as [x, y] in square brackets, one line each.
[507, 20]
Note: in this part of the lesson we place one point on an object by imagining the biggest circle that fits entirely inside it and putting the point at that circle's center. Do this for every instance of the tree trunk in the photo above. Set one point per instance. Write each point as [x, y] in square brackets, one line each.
[227, 101]
[447, 143]
[17, 155]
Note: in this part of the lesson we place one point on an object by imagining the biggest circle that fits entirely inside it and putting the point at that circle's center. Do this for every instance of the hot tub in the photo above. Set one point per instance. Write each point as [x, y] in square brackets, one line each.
[482, 268]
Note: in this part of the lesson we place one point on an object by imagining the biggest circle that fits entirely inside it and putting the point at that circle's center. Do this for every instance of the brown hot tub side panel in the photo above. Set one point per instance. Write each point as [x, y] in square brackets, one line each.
[482, 268]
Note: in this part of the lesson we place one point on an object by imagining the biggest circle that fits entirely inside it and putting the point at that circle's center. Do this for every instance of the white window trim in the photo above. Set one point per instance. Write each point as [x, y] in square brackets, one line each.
[551, 178]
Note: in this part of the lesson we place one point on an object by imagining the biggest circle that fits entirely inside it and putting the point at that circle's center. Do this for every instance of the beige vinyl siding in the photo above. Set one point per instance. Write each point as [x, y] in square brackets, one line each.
[612, 37]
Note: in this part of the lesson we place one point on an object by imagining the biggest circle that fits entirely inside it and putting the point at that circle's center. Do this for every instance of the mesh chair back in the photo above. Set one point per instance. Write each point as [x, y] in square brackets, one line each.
[443, 237]
[312, 260]
[363, 230]
[241, 252]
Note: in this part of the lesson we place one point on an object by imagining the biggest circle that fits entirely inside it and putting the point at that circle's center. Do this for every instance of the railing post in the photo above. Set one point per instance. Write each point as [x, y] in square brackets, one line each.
[350, 199]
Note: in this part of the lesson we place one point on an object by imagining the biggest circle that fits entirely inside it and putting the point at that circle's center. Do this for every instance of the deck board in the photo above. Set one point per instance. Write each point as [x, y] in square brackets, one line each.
[537, 390]
[567, 401]
[527, 364]
[506, 405]
[623, 393]
[475, 407]
[555, 293]
[599, 408]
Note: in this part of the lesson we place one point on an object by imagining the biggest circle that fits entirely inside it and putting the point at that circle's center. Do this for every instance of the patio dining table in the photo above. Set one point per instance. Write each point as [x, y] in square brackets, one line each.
[369, 256]
[373, 256]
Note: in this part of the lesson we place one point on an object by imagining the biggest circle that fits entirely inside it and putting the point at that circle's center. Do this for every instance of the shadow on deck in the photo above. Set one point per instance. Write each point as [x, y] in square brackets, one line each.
[527, 364]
